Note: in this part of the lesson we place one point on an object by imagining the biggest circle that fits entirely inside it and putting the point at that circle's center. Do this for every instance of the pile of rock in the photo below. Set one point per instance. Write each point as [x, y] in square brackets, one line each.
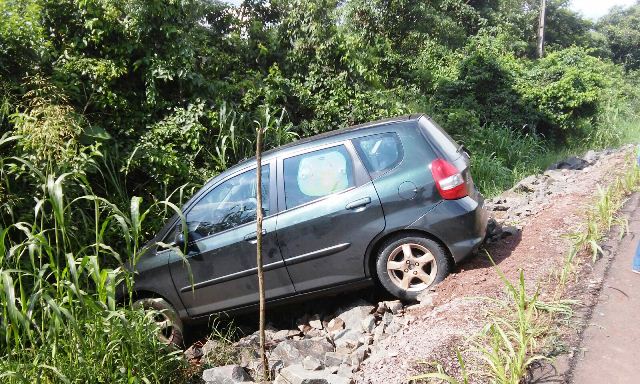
[534, 193]
[323, 349]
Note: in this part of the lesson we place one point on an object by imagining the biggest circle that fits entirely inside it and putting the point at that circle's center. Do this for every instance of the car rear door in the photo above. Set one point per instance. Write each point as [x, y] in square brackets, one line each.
[329, 213]
[220, 270]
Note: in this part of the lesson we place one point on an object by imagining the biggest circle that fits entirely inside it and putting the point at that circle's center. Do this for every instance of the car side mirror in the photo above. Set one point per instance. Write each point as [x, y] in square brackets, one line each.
[179, 239]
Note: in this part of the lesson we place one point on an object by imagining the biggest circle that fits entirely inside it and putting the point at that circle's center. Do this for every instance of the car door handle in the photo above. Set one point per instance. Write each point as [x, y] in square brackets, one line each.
[359, 203]
[252, 237]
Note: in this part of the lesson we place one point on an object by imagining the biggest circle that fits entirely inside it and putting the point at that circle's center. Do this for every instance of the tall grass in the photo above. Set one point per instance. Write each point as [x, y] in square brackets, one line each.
[601, 218]
[59, 322]
[506, 346]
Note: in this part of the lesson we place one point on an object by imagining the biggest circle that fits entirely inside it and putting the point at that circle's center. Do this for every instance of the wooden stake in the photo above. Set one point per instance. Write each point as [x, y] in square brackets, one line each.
[263, 353]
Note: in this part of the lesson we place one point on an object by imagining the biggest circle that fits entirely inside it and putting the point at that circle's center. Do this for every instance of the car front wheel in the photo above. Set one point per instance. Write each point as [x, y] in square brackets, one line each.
[170, 329]
[408, 265]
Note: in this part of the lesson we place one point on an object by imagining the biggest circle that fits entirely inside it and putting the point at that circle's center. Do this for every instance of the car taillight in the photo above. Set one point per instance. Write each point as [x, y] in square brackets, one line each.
[449, 180]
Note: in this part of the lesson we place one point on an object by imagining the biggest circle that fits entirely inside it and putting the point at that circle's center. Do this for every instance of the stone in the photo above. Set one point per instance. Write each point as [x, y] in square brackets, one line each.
[311, 363]
[358, 356]
[211, 347]
[315, 322]
[352, 316]
[348, 338]
[378, 333]
[369, 323]
[394, 306]
[382, 307]
[573, 163]
[314, 333]
[335, 325]
[293, 351]
[284, 334]
[509, 231]
[193, 353]
[334, 359]
[426, 298]
[345, 370]
[227, 374]
[366, 339]
[296, 374]
[387, 318]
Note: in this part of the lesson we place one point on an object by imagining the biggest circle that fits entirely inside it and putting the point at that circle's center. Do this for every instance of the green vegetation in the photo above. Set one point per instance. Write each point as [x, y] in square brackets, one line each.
[601, 219]
[506, 346]
[113, 112]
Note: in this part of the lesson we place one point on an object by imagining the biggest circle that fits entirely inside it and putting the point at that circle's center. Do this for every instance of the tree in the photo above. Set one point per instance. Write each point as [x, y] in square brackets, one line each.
[543, 8]
[622, 30]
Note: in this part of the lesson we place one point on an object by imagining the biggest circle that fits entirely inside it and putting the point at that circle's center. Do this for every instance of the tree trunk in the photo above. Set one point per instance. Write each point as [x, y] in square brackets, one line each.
[263, 354]
[543, 8]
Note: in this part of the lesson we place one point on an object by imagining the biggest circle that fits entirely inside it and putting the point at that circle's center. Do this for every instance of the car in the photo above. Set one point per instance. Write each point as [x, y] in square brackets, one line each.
[390, 202]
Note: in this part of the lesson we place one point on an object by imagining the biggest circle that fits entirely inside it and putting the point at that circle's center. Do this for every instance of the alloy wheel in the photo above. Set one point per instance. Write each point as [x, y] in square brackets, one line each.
[412, 267]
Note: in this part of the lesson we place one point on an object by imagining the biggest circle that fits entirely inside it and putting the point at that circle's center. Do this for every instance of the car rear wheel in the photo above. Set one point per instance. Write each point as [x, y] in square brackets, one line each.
[408, 265]
[170, 329]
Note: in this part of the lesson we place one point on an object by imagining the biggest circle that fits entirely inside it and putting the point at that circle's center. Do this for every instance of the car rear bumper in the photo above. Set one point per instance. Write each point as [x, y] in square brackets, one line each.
[460, 224]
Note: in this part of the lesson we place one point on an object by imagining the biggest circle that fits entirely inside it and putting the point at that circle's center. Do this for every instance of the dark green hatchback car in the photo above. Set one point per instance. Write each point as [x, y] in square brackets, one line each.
[390, 202]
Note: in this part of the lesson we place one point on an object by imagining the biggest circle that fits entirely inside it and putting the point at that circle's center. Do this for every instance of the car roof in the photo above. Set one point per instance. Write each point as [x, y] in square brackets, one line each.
[326, 135]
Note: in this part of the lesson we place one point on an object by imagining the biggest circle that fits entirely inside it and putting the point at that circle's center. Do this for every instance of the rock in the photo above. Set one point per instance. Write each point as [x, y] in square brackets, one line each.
[590, 157]
[315, 322]
[394, 327]
[573, 163]
[247, 357]
[354, 315]
[526, 185]
[394, 306]
[358, 356]
[348, 338]
[293, 351]
[345, 371]
[378, 333]
[284, 334]
[296, 374]
[193, 353]
[211, 347]
[509, 231]
[335, 325]
[426, 298]
[368, 323]
[366, 339]
[382, 307]
[227, 374]
[314, 333]
[311, 363]
[334, 359]
[387, 319]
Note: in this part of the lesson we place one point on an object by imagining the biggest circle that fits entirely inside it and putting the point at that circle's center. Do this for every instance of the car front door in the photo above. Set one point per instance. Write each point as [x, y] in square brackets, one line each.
[221, 272]
[330, 212]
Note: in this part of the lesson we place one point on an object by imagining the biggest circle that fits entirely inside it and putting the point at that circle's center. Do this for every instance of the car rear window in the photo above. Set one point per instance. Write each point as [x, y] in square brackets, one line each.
[380, 152]
[440, 138]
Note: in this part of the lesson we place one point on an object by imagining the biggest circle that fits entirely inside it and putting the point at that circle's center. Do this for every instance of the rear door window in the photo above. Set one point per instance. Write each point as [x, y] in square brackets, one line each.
[316, 174]
[380, 153]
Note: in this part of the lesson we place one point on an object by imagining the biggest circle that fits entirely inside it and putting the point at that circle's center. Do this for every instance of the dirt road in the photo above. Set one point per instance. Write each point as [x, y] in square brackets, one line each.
[610, 348]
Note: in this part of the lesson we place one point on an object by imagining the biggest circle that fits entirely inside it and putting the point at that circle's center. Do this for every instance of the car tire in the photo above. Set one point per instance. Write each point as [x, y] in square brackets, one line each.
[170, 328]
[409, 264]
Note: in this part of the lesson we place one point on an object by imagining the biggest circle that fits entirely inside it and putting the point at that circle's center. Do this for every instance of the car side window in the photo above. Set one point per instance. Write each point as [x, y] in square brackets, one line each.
[228, 205]
[380, 152]
[312, 175]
